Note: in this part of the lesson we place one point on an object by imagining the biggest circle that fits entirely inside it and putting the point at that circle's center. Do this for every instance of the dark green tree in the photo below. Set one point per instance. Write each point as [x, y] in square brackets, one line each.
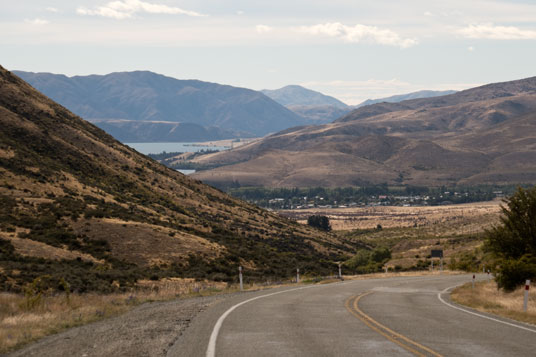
[318, 221]
[513, 242]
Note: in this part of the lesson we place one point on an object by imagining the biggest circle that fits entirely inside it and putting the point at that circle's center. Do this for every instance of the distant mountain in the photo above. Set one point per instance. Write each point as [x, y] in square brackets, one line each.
[402, 97]
[314, 107]
[78, 206]
[483, 135]
[298, 95]
[150, 97]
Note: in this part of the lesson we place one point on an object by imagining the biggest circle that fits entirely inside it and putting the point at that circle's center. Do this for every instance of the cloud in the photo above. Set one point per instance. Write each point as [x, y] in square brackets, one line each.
[263, 28]
[428, 13]
[37, 22]
[124, 9]
[492, 32]
[359, 33]
[240, 12]
[470, 48]
[51, 9]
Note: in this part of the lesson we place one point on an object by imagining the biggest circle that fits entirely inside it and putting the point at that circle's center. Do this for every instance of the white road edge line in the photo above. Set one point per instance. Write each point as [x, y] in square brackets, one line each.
[211, 349]
[477, 314]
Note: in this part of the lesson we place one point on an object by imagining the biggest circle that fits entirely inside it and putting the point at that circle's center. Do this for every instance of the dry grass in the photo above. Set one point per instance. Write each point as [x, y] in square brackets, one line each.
[487, 298]
[467, 218]
[20, 325]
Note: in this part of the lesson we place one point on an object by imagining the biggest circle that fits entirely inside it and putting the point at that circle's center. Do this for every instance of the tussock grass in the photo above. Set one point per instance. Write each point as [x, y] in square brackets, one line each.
[20, 324]
[487, 298]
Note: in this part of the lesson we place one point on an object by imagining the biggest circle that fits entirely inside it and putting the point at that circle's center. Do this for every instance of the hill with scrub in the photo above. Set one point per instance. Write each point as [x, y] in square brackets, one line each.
[80, 208]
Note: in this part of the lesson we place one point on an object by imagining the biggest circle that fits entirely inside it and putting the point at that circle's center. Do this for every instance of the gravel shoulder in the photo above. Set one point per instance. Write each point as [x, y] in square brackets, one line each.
[147, 330]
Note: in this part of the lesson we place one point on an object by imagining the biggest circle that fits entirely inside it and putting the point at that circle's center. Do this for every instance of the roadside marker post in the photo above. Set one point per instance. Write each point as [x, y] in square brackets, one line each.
[240, 277]
[297, 275]
[526, 299]
[473, 281]
[340, 273]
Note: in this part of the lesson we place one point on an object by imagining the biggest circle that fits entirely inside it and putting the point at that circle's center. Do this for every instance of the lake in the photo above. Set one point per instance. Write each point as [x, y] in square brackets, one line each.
[157, 148]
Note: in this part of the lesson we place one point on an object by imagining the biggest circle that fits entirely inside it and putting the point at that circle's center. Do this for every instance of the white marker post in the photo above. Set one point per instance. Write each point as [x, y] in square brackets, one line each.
[240, 277]
[297, 275]
[340, 273]
[526, 300]
[473, 281]
[386, 269]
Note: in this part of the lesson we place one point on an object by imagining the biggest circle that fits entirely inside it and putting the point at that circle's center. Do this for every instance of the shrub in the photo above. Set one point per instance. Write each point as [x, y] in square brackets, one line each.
[320, 222]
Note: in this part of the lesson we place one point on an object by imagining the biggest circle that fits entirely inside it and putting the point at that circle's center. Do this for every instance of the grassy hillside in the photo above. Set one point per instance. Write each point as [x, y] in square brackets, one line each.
[78, 206]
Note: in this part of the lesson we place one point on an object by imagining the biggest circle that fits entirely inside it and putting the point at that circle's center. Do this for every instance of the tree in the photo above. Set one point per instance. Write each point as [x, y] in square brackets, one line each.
[321, 222]
[513, 242]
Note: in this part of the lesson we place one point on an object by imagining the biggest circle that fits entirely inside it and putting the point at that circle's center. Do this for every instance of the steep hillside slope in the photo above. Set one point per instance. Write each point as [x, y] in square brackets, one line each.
[75, 204]
[481, 135]
[150, 97]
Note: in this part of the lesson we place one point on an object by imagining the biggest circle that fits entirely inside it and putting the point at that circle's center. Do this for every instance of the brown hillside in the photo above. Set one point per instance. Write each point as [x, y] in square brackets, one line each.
[75, 192]
[481, 135]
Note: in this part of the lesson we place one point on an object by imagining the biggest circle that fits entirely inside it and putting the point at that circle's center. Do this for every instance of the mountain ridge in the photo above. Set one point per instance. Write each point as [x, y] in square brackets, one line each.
[148, 96]
[414, 142]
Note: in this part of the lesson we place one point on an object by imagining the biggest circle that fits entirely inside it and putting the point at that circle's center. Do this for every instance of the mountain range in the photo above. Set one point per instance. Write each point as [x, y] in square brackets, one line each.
[119, 101]
[483, 135]
[79, 207]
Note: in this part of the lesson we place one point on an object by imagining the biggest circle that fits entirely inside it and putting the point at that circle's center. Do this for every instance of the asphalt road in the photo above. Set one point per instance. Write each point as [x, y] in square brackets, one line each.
[378, 317]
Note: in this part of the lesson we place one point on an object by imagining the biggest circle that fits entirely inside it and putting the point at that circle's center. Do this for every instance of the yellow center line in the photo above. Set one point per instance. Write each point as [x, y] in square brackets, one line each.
[391, 335]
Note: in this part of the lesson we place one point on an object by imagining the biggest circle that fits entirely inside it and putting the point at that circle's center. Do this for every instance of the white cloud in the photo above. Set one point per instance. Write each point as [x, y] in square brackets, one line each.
[52, 9]
[359, 33]
[124, 9]
[492, 32]
[240, 12]
[37, 22]
[428, 13]
[263, 28]
[470, 48]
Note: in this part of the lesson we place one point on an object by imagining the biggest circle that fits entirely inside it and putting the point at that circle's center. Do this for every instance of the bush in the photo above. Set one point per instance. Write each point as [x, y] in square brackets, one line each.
[320, 222]
[514, 272]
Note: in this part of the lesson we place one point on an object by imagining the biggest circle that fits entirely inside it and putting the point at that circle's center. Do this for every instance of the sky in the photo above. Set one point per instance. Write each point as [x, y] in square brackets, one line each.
[351, 49]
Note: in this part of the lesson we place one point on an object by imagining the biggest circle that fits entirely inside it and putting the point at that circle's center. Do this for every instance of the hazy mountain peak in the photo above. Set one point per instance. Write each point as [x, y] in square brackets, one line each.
[297, 95]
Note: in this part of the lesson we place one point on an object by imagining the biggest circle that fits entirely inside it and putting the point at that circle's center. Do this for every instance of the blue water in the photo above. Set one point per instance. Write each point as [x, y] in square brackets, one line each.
[157, 148]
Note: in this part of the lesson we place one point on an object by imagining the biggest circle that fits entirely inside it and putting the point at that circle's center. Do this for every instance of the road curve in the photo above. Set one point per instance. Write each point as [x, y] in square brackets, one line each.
[400, 316]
